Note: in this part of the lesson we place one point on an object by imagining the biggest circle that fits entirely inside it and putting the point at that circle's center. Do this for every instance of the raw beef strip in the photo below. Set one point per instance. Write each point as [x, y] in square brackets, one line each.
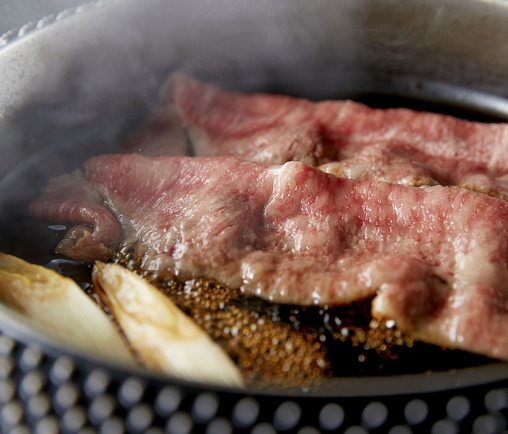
[289, 233]
[75, 200]
[472, 318]
[294, 234]
[269, 129]
[384, 162]
[395, 145]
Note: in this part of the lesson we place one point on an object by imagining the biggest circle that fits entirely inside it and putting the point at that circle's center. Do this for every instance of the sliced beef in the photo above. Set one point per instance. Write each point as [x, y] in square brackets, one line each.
[294, 234]
[400, 146]
[71, 198]
[472, 317]
[269, 129]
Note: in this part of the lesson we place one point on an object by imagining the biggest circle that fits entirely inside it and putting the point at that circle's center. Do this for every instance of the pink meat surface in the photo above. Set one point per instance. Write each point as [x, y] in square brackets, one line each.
[71, 198]
[294, 234]
[472, 318]
[348, 139]
[269, 129]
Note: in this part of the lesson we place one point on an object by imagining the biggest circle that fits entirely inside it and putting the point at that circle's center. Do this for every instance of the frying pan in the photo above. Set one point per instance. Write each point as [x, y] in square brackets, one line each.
[75, 85]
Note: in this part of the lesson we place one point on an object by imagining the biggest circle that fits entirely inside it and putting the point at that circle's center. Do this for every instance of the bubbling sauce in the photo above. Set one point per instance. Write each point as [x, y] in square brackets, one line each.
[292, 346]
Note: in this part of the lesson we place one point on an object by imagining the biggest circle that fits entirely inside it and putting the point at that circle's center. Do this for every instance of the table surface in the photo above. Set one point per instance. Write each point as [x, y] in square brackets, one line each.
[16, 13]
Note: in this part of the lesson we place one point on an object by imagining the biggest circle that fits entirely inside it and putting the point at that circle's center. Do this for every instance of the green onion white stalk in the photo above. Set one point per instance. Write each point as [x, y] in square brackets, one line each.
[163, 337]
[58, 307]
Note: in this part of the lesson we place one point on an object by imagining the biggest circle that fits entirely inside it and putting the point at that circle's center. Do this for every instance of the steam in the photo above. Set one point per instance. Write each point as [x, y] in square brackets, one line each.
[79, 86]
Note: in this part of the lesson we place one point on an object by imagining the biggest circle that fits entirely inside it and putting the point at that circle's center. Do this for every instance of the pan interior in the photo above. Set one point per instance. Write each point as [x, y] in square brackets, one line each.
[52, 122]
[33, 240]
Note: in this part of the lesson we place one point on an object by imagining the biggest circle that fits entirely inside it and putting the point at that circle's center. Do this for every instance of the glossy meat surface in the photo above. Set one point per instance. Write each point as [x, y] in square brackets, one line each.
[435, 259]
[472, 317]
[345, 138]
[244, 221]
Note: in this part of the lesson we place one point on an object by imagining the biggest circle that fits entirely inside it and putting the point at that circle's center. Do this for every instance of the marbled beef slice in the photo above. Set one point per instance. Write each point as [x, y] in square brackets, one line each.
[294, 234]
[345, 138]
